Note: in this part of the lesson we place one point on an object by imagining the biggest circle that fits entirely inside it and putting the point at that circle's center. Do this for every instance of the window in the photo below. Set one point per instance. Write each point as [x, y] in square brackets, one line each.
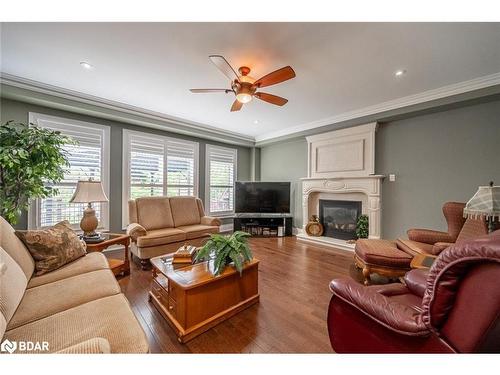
[221, 174]
[157, 166]
[89, 158]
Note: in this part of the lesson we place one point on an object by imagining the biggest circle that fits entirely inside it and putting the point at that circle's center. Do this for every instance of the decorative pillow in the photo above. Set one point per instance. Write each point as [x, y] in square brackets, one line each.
[53, 247]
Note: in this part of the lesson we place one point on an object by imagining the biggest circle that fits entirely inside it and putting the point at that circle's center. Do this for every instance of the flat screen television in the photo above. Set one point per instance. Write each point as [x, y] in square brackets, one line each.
[262, 197]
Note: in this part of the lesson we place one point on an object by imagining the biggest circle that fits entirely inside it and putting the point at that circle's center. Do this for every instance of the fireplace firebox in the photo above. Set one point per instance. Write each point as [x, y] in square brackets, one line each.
[339, 218]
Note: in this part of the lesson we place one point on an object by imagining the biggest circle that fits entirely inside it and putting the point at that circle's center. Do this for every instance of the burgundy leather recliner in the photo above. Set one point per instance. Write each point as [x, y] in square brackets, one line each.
[453, 307]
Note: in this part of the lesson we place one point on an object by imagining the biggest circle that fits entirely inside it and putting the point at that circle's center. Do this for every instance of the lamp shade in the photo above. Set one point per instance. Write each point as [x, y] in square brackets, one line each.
[485, 203]
[89, 191]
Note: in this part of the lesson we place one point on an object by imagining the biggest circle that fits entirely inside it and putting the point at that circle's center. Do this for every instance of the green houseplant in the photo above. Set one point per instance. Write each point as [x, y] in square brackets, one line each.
[362, 227]
[30, 158]
[226, 249]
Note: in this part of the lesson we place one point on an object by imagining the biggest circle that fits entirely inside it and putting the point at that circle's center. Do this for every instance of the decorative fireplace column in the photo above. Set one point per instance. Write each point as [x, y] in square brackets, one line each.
[341, 166]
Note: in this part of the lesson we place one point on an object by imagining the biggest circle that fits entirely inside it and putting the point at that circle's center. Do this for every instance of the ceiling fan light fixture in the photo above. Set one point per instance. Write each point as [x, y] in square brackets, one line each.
[243, 97]
[247, 79]
[245, 87]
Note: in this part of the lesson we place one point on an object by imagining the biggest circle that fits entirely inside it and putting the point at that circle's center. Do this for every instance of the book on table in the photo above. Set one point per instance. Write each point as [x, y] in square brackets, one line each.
[185, 255]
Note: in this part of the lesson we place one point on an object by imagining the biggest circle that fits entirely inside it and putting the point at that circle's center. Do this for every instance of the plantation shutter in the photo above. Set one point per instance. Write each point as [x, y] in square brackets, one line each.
[222, 174]
[86, 159]
[146, 166]
[182, 159]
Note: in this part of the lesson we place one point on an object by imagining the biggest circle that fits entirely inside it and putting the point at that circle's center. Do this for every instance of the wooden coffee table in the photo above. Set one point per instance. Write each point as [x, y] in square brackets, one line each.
[192, 300]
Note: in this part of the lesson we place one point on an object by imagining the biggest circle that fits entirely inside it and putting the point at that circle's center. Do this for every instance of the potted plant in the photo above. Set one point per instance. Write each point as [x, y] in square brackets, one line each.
[31, 158]
[362, 227]
[226, 249]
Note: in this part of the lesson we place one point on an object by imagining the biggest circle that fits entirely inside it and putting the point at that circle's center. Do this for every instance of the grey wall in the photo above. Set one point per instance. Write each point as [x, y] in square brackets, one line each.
[286, 161]
[437, 157]
[18, 111]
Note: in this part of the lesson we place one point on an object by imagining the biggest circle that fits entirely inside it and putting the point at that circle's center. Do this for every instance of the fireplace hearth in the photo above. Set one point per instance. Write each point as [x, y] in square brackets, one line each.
[339, 218]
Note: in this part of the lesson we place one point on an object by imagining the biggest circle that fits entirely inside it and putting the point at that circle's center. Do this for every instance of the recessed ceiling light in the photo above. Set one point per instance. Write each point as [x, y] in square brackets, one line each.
[256, 122]
[86, 65]
[400, 72]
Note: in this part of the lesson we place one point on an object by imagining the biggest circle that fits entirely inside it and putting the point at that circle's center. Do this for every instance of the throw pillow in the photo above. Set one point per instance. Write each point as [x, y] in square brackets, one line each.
[53, 247]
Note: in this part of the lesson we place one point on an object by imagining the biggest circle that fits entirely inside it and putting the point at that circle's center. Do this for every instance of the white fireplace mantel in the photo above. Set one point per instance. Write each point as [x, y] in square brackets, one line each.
[341, 166]
[367, 185]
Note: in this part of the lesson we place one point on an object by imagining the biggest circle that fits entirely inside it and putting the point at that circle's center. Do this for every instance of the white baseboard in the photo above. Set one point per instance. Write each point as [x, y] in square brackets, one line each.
[327, 241]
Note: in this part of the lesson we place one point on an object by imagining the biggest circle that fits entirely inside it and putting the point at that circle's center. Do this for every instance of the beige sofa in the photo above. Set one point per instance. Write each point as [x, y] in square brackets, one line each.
[77, 308]
[160, 225]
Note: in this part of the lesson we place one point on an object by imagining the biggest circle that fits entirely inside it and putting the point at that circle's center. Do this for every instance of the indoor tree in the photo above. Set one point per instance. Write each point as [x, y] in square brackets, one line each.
[31, 158]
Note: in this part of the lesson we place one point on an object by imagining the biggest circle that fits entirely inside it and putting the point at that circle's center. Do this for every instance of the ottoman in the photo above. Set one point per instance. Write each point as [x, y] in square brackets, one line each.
[382, 257]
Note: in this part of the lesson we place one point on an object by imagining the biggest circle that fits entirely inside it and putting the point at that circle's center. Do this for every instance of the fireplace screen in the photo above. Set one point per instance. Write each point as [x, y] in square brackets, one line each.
[339, 218]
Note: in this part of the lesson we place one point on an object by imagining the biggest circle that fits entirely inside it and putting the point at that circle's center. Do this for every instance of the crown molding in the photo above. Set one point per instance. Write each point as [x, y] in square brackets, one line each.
[181, 126]
[407, 101]
[168, 123]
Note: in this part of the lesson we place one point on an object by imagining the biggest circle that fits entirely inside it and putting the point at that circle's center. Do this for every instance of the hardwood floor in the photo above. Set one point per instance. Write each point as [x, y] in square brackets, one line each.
[291, 314]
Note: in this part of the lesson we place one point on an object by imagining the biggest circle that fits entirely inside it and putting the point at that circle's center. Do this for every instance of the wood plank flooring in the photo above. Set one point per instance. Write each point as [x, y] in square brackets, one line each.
[291, 314]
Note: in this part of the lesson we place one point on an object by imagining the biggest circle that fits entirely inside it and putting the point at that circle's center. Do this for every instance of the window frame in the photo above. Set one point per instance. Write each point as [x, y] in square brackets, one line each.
[208, 149]
[126, 186]
[34, 209]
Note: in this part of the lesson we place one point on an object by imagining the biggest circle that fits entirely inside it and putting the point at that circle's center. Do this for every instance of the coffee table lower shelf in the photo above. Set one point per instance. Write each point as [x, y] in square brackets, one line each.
[184, 335]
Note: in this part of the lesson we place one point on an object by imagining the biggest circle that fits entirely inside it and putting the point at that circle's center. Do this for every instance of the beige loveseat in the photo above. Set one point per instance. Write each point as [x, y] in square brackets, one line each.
[77, 308]
[160, 225]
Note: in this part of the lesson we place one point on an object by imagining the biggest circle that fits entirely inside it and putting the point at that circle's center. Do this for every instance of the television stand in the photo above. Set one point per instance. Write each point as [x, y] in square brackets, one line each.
[264, 226]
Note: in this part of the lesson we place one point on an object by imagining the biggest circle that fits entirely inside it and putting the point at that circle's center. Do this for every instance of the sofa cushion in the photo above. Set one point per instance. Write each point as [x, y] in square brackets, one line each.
[154, 251]
[53, 247]
[12, 285]
[198, 230]
[185, 211]
[49, 299]
[92, 346]
[161, 237]
[90, 262]
[3, 325]
[154, 212]
[382, 253]
[110, 318]
[15, 248]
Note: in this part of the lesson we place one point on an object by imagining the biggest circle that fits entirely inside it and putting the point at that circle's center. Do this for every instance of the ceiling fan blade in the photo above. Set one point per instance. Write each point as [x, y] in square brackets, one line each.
[236, 106]
[198, 91]
[273, 99]
[221, 63]
[275, 77]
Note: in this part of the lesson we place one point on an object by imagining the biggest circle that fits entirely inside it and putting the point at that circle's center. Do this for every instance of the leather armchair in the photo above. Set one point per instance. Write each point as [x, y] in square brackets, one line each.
[454, 307]
[433, 242]
[453, 213]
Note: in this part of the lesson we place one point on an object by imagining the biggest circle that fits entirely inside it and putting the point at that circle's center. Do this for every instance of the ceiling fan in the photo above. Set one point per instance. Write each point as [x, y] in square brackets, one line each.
[245, 87]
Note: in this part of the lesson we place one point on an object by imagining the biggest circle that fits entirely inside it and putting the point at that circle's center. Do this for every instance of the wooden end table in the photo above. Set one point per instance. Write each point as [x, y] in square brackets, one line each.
[193, 300]
[118, 266]
[423, 261]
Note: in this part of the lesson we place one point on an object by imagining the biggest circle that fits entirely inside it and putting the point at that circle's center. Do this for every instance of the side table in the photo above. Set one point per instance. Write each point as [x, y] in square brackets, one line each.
[118, 266]
[422, 261]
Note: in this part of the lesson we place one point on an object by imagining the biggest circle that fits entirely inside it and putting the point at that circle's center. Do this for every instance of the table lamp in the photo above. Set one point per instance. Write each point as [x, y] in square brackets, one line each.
[485, 203]
[88, 192]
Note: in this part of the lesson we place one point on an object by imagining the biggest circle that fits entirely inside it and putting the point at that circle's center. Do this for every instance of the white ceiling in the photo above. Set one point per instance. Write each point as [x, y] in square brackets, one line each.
[340, 67]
